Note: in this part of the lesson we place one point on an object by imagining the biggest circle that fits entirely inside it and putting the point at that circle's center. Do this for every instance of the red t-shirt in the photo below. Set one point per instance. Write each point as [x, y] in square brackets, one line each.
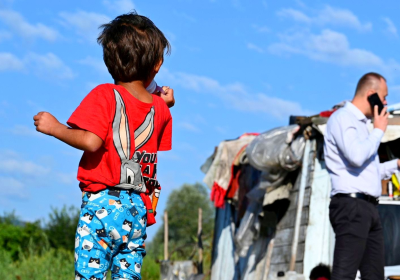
[140, 130]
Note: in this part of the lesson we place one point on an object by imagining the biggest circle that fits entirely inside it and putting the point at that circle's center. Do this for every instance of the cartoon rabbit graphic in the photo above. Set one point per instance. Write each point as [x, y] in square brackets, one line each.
[131, 174]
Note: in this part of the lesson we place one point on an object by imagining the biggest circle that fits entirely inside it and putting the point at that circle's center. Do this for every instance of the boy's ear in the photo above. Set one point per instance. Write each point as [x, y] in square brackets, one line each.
[158, 66]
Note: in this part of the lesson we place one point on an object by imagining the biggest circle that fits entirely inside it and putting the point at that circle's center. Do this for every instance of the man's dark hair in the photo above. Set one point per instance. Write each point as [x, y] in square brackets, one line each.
[320, 270]
[132, 47]
[369, 80]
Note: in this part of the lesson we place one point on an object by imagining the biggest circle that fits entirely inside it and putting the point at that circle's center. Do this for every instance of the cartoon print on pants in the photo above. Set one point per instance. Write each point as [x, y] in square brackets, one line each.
[87, 218]
[131, 174]
[112, 239]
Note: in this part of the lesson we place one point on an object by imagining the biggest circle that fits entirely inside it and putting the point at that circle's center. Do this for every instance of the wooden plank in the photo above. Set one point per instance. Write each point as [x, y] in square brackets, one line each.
[394, 121]
[294, 196]
[282, 254]
[275, 268]
[288, 220]
[285, 236]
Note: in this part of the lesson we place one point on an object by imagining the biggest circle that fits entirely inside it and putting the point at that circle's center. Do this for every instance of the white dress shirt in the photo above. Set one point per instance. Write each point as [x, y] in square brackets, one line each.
[351, 153]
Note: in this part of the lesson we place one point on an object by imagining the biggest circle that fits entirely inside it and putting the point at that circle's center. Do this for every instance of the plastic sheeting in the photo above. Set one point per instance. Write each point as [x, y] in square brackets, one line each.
[277, 150]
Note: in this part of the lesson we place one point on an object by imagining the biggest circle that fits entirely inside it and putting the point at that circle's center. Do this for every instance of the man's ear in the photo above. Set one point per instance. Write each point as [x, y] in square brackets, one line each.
[158, 66]
[370, 92]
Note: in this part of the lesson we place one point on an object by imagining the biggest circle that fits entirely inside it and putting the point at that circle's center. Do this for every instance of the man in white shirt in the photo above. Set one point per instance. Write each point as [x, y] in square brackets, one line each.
[356, 173]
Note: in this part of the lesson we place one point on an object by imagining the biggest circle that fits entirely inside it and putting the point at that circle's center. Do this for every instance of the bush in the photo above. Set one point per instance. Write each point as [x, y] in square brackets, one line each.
[61, 227]
[15, 235]
[51, 264]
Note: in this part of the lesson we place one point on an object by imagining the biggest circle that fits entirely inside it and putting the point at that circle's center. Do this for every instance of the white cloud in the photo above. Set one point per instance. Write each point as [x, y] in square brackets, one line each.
[294, 15]
[188, 126]
[23, 28]
[66, 178]
[95, 63]
[43, 65]
[253, 47]
[4, 35]
[265, 4]
[185, 16]
[221, 130]
[14, 165]
[332, 47]
[120, 6]
[86, 24]
[9, 62]
[22, 167]
[235, 95]
[23, 130]
[391, 28]
[342, 17]
[11, 187]
[261, 29]
[327, 16]
[50, 66]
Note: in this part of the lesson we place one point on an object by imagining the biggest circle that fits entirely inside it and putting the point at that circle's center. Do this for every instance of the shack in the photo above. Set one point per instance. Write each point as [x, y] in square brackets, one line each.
[272, 193]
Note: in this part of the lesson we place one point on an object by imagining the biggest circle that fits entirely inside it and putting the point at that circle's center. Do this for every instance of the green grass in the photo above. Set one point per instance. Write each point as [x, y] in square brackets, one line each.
[50, 265]
[54, 264]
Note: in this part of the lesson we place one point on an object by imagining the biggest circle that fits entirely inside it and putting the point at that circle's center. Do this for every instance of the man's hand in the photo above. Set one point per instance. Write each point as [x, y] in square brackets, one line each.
[168, 96]
[45, 122]
[381, 120]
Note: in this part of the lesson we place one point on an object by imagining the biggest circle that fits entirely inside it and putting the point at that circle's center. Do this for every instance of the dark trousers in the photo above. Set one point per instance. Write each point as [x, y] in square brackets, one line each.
[359, 239]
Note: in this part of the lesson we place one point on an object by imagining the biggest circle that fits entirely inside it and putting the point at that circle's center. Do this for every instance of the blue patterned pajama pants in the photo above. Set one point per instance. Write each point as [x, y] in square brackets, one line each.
[110, 235]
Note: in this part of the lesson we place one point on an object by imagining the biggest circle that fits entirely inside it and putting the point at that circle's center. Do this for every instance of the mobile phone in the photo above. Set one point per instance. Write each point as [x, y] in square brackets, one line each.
[375, 100]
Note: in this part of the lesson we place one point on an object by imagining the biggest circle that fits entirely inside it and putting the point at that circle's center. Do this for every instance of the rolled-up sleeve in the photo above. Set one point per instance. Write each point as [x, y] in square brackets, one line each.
[386, 169]
[356, 150]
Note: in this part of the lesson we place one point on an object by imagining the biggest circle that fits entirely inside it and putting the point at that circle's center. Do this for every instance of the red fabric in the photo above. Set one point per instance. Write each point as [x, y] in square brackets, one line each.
[322, 278]
[218, 195]
[234, 184]
[96, 113]
[327, 114]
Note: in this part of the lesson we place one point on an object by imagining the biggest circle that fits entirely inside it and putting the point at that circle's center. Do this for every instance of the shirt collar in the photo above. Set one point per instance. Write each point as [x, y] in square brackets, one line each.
[355, 111]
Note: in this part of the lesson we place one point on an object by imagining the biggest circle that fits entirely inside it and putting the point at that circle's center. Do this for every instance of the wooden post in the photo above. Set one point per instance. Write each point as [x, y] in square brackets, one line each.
[166, 235]
[268, 259]
[198, 234]
[300, 200]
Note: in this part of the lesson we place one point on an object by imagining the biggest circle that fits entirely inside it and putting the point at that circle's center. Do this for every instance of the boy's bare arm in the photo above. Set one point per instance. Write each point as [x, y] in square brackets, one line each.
[77, 138]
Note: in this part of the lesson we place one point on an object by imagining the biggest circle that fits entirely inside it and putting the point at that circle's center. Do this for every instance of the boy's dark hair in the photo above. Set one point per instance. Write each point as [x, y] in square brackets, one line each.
[132, 47]
[320, 270]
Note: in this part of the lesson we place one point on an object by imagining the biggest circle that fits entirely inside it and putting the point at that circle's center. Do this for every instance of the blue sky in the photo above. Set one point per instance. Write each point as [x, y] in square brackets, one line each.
[236, 66]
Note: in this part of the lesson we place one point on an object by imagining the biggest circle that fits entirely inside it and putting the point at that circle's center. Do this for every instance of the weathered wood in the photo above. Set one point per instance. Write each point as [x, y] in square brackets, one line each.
[282, 254]
[285, 236]
[274, 268]
[394, 121]
[290, 217]
[268, 259]
[294, 198]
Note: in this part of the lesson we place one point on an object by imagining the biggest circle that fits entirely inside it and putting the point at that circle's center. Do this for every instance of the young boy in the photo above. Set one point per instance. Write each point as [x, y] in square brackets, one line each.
[120, 127]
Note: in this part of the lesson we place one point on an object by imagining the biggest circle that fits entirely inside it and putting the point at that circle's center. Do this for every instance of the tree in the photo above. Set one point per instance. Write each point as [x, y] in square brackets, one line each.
[16, 236]
[61, 227]
[182, 207]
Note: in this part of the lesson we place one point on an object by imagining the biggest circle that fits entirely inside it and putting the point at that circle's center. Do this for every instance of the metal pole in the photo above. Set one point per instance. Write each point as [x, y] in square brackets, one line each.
[302, 187]
[166, 235]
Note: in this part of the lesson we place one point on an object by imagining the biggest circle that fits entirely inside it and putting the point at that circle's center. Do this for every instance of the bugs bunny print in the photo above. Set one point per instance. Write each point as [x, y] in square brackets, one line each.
[131, 174]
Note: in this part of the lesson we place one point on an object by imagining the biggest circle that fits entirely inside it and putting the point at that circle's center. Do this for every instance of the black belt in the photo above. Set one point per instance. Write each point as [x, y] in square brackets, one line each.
[372, 199]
